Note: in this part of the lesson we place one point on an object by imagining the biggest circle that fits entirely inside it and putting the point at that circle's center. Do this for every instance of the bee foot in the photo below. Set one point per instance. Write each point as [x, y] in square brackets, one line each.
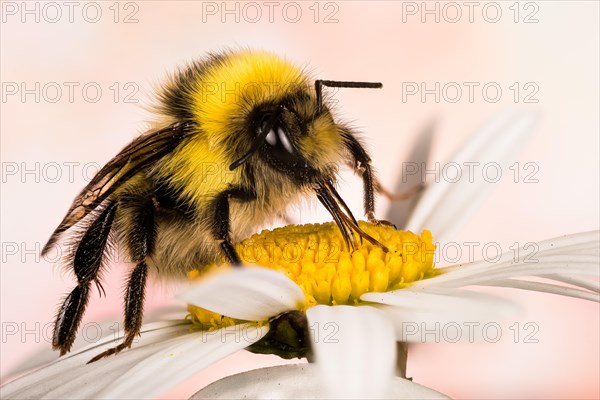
[110, 352]
[376, 221]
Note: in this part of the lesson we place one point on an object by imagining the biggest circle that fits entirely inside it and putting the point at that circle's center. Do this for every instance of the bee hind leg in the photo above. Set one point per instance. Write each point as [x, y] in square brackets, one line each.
[139, 238]
[87, 263]
[134, 302]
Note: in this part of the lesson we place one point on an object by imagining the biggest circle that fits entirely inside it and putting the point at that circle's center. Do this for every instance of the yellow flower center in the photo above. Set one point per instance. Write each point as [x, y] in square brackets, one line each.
[316, 257]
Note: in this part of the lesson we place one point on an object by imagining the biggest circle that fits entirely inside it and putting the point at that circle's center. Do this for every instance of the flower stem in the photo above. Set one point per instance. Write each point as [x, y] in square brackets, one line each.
[402, 358]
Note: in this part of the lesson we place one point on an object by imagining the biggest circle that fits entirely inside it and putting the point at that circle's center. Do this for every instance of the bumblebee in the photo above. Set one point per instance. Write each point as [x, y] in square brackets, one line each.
[239, 136]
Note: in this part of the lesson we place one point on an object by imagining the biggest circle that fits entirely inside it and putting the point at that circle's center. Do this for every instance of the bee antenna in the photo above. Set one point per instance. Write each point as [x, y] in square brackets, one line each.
[341, 84]
[259, 139]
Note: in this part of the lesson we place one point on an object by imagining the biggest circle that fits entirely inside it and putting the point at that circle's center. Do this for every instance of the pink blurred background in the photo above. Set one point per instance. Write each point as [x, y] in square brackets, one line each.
[550, 49]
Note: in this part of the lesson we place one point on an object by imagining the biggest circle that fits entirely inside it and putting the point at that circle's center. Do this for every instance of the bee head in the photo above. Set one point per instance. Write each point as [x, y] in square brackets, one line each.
[291, 135]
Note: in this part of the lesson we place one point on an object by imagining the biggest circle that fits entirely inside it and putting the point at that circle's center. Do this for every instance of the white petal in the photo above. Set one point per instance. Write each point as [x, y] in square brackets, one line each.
[295, 382]
[446, 205]
[163, 357]
[181, 360]
[545, 288]
[568, 255]
[82, 343]
[252, 294]
[355, 350]
[575, 243]
[70, 377]
[421, 315]
[589, 284]
[437, 299]
[476, 276]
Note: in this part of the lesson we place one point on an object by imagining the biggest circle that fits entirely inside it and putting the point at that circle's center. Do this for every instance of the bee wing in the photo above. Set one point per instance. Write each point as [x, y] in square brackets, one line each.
[140, 153]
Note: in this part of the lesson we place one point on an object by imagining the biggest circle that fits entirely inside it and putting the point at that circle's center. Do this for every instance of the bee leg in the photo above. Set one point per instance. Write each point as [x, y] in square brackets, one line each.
[134, 309]
[87, 263]
[370, 183]
[362, 165]
[221, 220]
[413, 191]
[140, 240]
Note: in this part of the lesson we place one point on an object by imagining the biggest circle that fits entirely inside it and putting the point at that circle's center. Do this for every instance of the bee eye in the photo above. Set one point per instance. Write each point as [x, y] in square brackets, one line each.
[278, 139]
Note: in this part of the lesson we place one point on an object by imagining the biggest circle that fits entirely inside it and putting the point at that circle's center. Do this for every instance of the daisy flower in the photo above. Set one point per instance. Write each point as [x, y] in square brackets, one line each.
[346, 309]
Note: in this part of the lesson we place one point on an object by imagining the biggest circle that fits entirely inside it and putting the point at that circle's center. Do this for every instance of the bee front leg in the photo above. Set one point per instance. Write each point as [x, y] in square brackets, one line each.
[221, 222]
[87, 262]
[139, 237]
